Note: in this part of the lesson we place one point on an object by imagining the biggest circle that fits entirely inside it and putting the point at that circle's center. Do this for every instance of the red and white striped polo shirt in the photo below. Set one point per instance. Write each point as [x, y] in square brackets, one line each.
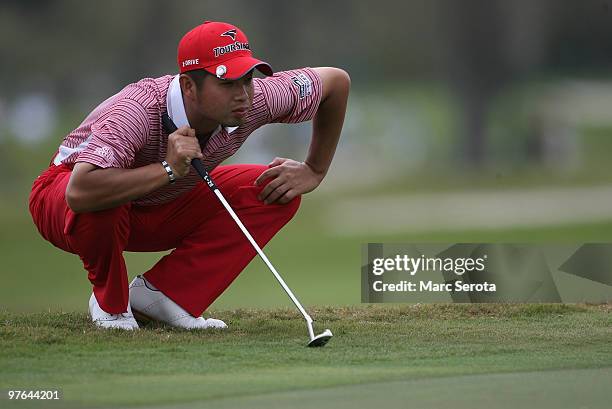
[125, 131]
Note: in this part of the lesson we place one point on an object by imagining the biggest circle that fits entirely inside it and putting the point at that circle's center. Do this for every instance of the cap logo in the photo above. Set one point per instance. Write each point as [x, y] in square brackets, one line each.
[230, 48]
[231, 34]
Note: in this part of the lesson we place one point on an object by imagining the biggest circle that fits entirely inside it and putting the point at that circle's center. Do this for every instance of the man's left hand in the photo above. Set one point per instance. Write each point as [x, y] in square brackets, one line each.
[290, 179]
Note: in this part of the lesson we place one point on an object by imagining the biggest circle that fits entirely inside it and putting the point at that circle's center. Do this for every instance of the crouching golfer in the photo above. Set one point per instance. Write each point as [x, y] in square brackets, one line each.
[119, 182]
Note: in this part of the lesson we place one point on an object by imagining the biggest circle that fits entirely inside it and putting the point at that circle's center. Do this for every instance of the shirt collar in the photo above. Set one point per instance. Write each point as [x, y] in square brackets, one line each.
[176, 108]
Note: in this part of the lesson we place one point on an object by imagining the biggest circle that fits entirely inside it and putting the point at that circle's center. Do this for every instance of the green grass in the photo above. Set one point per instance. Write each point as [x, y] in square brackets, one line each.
[422, 356]
[262, 361]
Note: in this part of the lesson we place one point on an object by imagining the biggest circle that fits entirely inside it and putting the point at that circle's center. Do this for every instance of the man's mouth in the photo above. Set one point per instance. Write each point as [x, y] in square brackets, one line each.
[240, 110]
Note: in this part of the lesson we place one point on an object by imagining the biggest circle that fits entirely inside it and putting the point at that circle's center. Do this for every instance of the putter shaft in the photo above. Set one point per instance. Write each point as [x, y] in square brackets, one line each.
[199, 167]
[265, 260]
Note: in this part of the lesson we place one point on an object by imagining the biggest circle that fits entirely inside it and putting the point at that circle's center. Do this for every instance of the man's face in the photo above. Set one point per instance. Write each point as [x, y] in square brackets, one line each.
[224, 101]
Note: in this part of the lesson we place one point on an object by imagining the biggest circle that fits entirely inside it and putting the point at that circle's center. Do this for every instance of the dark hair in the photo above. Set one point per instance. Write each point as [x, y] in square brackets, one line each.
[198, 76]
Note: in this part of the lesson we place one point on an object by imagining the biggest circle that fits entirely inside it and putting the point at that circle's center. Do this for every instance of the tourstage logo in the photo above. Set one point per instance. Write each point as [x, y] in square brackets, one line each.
[230, 33]
[230, 48]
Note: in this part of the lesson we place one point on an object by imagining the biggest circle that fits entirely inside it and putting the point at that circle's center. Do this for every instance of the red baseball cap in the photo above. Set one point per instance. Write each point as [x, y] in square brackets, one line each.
[222, 49]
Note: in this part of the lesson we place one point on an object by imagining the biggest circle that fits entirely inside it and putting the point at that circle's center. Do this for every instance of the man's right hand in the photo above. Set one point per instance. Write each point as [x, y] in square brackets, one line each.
[183, 146]
[92, 188]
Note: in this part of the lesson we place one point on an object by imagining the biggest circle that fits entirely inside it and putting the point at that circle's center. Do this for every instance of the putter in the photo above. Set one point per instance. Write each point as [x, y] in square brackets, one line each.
[315, 340]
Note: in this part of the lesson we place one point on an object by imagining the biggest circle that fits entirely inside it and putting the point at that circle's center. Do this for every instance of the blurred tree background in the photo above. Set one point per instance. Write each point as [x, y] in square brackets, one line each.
[447, 96]
[440, 84]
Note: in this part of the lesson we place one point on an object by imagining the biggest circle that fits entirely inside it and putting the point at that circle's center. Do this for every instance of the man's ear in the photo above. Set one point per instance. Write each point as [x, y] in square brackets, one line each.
[188, 87]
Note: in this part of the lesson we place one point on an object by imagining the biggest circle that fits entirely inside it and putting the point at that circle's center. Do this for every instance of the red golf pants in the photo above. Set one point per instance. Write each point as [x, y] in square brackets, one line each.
[209, 248]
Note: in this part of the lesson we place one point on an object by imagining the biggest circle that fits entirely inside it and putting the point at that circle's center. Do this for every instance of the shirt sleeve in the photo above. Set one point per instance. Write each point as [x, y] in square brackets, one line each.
[117, 135]
[292, 96]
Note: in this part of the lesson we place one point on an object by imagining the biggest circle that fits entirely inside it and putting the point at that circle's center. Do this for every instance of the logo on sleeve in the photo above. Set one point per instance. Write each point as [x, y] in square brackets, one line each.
[304, 85]
[105, 152]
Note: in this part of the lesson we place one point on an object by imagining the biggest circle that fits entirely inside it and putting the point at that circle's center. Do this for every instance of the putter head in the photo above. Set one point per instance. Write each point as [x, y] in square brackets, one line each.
[321, 339]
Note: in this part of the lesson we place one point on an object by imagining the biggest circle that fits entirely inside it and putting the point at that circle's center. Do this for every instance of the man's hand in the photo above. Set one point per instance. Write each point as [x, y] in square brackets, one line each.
[183, 146]
[290, 178]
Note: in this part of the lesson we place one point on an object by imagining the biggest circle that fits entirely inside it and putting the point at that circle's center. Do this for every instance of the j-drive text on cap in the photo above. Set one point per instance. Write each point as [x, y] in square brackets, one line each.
[187, 63]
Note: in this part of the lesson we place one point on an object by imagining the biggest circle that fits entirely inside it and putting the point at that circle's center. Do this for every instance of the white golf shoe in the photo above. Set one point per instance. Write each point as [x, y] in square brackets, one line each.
[105, 320]
[150, 304]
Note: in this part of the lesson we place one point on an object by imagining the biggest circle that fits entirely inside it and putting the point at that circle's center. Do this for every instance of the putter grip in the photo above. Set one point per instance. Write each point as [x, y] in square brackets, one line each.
[170, 127]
